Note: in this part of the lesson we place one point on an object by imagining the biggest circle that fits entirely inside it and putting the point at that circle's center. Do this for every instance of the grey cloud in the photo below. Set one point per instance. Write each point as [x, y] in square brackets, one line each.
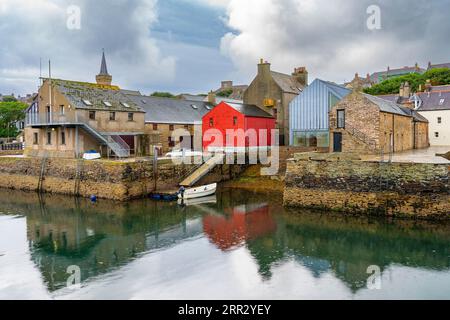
[331, 37]
[30, 29]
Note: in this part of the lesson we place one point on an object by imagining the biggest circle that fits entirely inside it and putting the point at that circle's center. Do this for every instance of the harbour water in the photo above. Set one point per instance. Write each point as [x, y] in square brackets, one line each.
[237, 245]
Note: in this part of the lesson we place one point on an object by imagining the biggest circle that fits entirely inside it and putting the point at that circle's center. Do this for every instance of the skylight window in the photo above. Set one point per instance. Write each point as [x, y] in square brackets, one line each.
[143, 101]
[87, 102]
[108, 104]
[208, 107]
[194, 106]
[126, 105]
[441, 102]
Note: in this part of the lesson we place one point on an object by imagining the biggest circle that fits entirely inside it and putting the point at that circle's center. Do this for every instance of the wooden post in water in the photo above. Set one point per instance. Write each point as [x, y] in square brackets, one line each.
[155, 168]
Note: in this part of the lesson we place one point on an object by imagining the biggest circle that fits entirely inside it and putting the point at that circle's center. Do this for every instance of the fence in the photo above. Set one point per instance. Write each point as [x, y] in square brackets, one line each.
[11, 147]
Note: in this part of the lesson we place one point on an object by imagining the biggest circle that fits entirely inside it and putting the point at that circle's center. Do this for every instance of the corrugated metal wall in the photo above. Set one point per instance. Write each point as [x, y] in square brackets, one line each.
[309, 111]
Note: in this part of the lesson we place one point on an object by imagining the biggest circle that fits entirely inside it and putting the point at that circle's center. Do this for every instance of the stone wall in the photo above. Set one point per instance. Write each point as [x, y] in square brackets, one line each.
[10, 152]
[106, 179]
[344, 183]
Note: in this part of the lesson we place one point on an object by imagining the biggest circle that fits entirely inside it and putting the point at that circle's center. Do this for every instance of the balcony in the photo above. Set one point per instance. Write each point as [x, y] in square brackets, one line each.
[52, 119]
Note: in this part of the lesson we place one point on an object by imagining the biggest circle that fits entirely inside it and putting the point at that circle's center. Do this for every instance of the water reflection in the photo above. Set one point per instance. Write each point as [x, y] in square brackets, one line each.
[104, 237]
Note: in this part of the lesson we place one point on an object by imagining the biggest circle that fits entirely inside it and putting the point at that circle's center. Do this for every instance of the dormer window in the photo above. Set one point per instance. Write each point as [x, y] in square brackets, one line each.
[87, 103]
[108, 104]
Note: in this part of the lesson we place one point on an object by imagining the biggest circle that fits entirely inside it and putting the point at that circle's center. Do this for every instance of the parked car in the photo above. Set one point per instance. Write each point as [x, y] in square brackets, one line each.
[180, 153]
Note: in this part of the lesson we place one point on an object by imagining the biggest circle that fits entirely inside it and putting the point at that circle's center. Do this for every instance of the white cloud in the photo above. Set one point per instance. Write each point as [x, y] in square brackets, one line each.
[31, 29]
[331, 38]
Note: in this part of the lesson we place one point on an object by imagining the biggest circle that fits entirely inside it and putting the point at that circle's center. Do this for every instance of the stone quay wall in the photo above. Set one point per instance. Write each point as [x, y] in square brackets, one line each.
[346, 184]
[106, 179]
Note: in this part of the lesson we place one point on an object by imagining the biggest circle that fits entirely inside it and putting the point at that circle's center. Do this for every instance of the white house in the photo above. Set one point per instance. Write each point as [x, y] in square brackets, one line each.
[435, 107]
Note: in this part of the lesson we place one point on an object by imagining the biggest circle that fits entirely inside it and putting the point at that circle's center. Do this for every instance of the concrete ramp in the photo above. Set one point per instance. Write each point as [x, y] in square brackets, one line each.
[206, 168]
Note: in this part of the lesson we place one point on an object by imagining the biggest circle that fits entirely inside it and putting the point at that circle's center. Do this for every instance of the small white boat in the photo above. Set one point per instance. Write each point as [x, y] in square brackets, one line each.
[198, 192]
[198, 201]
[91, 156]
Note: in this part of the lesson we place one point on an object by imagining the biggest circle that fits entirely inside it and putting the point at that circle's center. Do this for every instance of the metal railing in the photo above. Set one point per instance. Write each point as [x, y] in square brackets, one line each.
[52, 118]
[119, 146]
[11, 146]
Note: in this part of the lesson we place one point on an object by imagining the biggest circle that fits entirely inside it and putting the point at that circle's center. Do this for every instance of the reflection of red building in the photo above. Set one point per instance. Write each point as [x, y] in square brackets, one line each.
[243, 223]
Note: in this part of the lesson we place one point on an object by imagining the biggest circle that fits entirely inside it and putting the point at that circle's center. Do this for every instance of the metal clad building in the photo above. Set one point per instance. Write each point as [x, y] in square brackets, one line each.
[309, 121]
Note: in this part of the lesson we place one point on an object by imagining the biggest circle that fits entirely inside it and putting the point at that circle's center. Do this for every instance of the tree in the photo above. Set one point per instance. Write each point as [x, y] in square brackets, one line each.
[162, 94]
[9, 99]
[392, 86]
[225, 93]
[438, 76]
[10, 114]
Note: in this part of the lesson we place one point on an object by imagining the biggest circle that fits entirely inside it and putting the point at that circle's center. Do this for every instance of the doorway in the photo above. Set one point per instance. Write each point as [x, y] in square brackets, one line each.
[337, 142]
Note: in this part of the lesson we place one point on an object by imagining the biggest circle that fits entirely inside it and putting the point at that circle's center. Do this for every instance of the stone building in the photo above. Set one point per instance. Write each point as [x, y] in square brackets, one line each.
[69, 118]
[359, 82]
[166, 116]
[231, 91]
[273, 91]
[366, 124]
[433, 104]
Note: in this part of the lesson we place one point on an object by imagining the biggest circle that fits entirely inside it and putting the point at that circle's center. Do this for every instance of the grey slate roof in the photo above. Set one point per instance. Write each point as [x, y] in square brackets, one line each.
[387, 106]
[250, 110]
[391, 105]
[287, 83]
[171, 111]
[192, 97]
[432, 101]
[76, 92]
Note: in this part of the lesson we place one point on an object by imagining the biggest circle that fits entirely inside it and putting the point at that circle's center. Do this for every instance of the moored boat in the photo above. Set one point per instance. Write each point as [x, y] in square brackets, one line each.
[198, 192]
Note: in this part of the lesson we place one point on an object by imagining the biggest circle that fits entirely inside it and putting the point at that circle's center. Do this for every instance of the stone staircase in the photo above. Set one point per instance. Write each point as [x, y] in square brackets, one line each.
[203, 170]
[370, 143]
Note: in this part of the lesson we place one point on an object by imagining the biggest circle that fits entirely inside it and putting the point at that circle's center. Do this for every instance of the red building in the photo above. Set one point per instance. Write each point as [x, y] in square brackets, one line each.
[237, 126]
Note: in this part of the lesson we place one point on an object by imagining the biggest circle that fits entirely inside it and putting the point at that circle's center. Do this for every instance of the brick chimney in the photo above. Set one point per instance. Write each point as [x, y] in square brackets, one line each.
[428, 86]
[406, 90]
[402, 90]
[301, 75]
[212, 98]
[263, 68]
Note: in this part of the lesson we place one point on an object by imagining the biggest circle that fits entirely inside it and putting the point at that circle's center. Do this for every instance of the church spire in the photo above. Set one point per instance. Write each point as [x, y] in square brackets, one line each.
[104, 78]
[103, 68]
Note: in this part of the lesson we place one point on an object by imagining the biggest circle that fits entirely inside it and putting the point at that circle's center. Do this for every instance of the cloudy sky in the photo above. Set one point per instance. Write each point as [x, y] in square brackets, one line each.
[191, 45]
